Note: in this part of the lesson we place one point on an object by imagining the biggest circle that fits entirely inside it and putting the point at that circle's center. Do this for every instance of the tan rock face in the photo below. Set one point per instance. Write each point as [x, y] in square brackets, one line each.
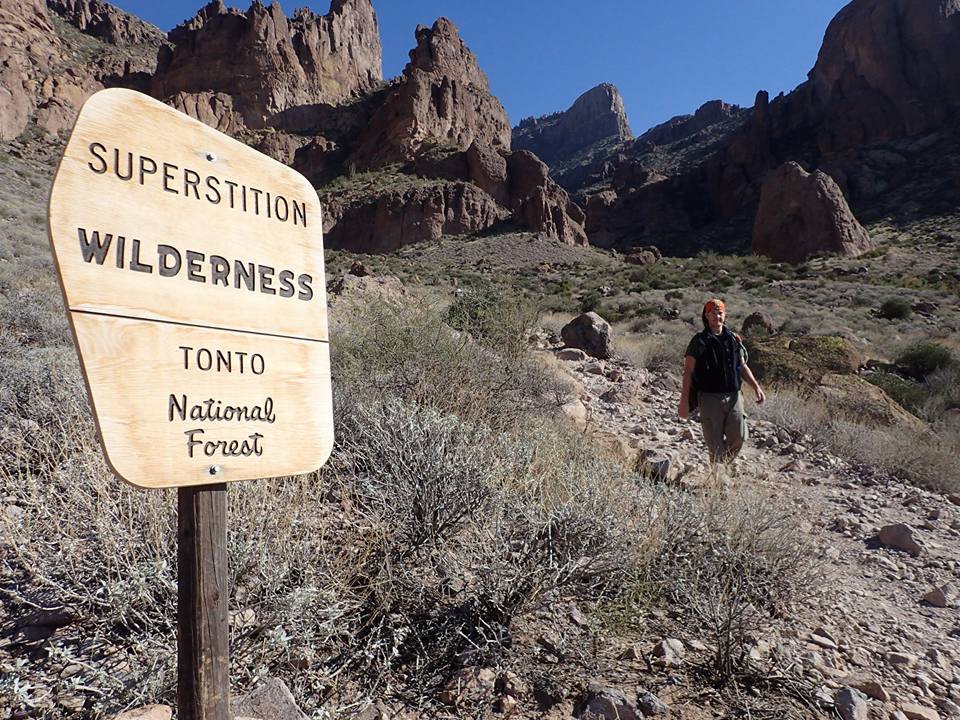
[29, 50]
[268, 63]
[803, 213]
[443, 95]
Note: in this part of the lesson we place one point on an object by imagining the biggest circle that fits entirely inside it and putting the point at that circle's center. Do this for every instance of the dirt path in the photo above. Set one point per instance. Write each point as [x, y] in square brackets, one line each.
[872, 628]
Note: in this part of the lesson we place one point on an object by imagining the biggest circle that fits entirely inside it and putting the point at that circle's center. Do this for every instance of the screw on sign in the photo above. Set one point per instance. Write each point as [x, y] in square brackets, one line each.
[192, 274]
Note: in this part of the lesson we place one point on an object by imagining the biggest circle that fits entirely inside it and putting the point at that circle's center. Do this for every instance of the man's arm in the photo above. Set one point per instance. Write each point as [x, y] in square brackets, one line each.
[689, 362]
[747, 374]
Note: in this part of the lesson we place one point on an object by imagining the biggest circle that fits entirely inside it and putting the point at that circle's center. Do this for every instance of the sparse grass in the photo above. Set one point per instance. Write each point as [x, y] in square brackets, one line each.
[929, 459]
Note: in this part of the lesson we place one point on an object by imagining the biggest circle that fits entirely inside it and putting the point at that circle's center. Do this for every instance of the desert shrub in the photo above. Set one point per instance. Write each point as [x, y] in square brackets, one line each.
[496, 319]
[924, 358]
[409, 353]
[589, 301]
[740, 564]
[943, 392]
[895, 309]
[908, 393]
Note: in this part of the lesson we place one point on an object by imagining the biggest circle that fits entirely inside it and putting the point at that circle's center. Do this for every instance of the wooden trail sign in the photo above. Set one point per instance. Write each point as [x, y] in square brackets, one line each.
[192, 271]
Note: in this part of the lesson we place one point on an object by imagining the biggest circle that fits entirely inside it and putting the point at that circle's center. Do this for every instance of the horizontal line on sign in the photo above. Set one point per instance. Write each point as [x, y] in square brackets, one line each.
[196, 325]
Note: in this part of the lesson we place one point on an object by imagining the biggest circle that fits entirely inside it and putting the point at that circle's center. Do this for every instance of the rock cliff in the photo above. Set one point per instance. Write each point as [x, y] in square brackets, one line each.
[28, 52]
[597, 115]
[442, 97]
[259, 63]
[40, 75]
[104, 21]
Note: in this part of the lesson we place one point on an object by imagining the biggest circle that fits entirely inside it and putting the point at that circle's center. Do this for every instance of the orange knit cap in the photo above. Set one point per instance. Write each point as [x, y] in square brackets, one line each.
[714, 304]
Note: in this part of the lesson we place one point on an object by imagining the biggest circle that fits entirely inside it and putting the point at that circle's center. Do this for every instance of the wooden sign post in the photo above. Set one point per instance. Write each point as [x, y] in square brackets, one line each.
[192, 272]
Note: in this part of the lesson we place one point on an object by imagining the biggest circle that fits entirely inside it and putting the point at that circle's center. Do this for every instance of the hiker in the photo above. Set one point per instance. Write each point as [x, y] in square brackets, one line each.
[714, 368]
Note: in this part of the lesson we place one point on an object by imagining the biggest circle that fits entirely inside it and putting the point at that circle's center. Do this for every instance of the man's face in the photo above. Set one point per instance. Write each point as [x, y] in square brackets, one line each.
[716, 316]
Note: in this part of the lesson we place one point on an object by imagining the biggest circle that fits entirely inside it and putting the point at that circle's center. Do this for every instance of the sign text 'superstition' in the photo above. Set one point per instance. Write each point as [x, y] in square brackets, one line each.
[192, 270]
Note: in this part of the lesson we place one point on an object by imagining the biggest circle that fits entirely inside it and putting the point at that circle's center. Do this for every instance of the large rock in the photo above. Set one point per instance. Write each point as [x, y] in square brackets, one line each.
[604, 703]
[802, 214]
[540, 204]
[852, 397]
[378, 223]
[597, 115]
[268, 63]
[272, 699]
[443, 96]
[804, 360]
[590, 333]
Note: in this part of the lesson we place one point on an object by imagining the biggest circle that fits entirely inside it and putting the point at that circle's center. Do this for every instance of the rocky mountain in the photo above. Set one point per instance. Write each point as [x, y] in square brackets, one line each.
[596, 116]
[436, 152]
[309, 91]
[881, 97]
[255, 65]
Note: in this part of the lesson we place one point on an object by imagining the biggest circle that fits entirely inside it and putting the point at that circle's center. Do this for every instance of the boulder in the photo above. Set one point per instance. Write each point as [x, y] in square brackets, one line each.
[590, 333]
[443, 94]
[851, 704]
[803, 360]
[647, 255]
[852, 397]
[901, 536]
[757, 323]
[267, 63]
[607, 704]
[945, 596]
[487, 169]
[802, 214]
[272, 699]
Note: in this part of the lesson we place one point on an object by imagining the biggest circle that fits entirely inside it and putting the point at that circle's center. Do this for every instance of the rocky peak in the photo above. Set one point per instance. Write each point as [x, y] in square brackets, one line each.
[677, 128]
[597, 115]
[264, 63]
[442, 96]
[107, 22]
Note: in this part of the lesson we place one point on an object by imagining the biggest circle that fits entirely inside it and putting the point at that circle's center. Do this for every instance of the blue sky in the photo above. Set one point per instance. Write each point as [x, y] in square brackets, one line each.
[666, 58]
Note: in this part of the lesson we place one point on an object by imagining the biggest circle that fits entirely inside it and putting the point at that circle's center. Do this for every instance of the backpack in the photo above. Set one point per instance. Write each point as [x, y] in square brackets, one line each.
[693, 400]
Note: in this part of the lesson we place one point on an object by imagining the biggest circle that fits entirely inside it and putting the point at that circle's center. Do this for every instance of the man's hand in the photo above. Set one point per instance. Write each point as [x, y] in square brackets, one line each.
[683, 411]
[761, 396]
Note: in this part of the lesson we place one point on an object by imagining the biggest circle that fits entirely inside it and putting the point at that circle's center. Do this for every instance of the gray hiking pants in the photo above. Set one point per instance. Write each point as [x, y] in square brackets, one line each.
[724, 425]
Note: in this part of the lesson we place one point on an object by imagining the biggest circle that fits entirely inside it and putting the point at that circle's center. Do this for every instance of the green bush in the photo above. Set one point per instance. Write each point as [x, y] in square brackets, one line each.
[924, 358]
[895, 309]
[908, 393]
[590, 301]
[492, 317]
